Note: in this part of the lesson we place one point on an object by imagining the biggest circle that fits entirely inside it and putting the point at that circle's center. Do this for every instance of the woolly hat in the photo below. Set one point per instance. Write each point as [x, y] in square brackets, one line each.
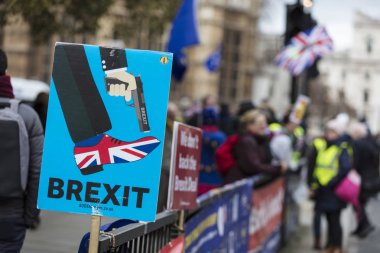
[344, 120]
[210, 116]
[336, 126]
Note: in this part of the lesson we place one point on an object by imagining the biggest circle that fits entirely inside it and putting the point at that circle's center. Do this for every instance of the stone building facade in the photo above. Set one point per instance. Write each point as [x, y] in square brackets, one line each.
[231, 24]
[271, 82]
[355, 75]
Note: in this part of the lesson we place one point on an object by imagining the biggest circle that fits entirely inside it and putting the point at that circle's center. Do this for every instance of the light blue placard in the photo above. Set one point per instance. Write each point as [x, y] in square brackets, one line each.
[58, 162]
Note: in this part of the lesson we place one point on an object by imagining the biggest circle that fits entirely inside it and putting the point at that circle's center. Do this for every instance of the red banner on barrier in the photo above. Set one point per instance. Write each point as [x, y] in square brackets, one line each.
[174, 246]
[266, 214]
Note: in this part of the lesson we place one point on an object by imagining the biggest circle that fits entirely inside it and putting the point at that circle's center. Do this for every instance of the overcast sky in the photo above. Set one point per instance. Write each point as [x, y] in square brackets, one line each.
[336, 15]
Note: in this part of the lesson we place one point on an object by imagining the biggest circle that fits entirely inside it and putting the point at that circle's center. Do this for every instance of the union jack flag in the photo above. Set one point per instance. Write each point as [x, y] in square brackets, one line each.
[304, 49]
[104, 149]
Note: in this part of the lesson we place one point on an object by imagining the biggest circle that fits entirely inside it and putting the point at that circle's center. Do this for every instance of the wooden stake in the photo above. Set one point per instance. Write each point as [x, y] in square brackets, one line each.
[94, 234]
[181, 222]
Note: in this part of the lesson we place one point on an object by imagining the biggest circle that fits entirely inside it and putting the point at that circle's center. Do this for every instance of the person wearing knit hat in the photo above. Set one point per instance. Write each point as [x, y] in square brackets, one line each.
[329, 163]
[18, 210]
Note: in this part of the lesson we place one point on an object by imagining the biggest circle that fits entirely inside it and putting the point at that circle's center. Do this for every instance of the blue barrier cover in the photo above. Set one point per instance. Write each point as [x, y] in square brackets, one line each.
[223, 224]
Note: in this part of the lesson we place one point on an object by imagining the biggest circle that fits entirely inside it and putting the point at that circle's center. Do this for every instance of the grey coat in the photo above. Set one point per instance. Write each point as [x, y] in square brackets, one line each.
[27, 207]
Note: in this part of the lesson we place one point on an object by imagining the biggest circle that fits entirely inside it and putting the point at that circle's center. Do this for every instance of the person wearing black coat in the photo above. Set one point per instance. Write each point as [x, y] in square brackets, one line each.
[366, 163]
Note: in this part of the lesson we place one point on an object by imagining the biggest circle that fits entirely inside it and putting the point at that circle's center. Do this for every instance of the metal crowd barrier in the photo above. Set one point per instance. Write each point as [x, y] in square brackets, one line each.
[259, 181]
[151, 237]
[141, 237]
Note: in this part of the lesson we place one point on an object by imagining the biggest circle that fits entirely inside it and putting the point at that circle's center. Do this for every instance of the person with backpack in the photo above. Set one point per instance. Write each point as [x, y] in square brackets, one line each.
[251, 151]
[21, 138]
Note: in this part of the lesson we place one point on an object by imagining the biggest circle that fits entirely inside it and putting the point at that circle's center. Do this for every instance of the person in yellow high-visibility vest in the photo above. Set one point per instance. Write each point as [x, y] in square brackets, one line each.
[329, 162]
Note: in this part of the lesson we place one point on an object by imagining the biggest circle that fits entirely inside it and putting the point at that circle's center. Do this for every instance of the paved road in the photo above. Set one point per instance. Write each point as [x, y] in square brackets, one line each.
[372, 243]
[58, 233]
[62, 232]
[302, 240]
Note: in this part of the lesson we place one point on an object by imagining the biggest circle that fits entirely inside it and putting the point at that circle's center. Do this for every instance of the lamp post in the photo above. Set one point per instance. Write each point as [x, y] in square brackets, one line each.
[297, 21]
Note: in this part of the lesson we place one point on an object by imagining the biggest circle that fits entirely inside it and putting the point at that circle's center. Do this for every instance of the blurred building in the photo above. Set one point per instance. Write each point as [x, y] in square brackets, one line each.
[31, 61]
[231, 24]
[270, 83]
[354, 76]
[25, 59]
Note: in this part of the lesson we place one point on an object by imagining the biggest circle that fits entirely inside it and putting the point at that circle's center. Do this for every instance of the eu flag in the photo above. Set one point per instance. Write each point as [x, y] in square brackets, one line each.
[212, 63]
[184, 33]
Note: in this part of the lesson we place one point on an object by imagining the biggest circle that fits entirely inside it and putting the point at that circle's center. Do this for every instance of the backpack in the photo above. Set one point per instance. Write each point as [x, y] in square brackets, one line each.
[14, 151]
[224, 156]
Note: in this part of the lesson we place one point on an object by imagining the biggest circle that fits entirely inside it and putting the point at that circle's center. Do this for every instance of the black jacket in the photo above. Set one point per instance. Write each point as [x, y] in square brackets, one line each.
[366, 158]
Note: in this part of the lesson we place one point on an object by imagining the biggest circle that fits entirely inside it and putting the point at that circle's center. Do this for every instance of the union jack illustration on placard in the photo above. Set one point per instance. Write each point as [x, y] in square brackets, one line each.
[103, 149]
[304, 49]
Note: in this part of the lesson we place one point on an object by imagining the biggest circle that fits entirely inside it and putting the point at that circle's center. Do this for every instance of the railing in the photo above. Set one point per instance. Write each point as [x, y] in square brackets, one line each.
[259, 181]
[141, 237]
[151, 237]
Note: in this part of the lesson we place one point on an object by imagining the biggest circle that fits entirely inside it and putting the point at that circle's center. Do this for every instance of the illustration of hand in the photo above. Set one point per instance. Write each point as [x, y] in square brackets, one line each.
[120, 83]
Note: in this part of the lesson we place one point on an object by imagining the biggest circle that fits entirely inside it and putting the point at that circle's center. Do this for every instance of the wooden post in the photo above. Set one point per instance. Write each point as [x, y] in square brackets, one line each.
[181, 222]
[94, 234]
[181, 225]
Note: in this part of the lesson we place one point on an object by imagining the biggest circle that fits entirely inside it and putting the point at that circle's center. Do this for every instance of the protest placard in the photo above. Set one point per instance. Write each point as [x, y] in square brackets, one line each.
[185, 165]
[105, 131]
[299, 109]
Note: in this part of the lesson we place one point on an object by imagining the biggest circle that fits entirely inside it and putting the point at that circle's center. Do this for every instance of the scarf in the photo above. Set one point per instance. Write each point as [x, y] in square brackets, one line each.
[6, 89]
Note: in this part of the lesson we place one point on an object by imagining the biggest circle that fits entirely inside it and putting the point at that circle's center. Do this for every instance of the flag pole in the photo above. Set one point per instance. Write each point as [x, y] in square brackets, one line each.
[94, 234]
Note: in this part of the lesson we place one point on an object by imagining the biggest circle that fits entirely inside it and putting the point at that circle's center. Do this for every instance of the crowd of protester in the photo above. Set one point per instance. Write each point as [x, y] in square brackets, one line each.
[238, 145]
[235, 146]
[254, 141]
